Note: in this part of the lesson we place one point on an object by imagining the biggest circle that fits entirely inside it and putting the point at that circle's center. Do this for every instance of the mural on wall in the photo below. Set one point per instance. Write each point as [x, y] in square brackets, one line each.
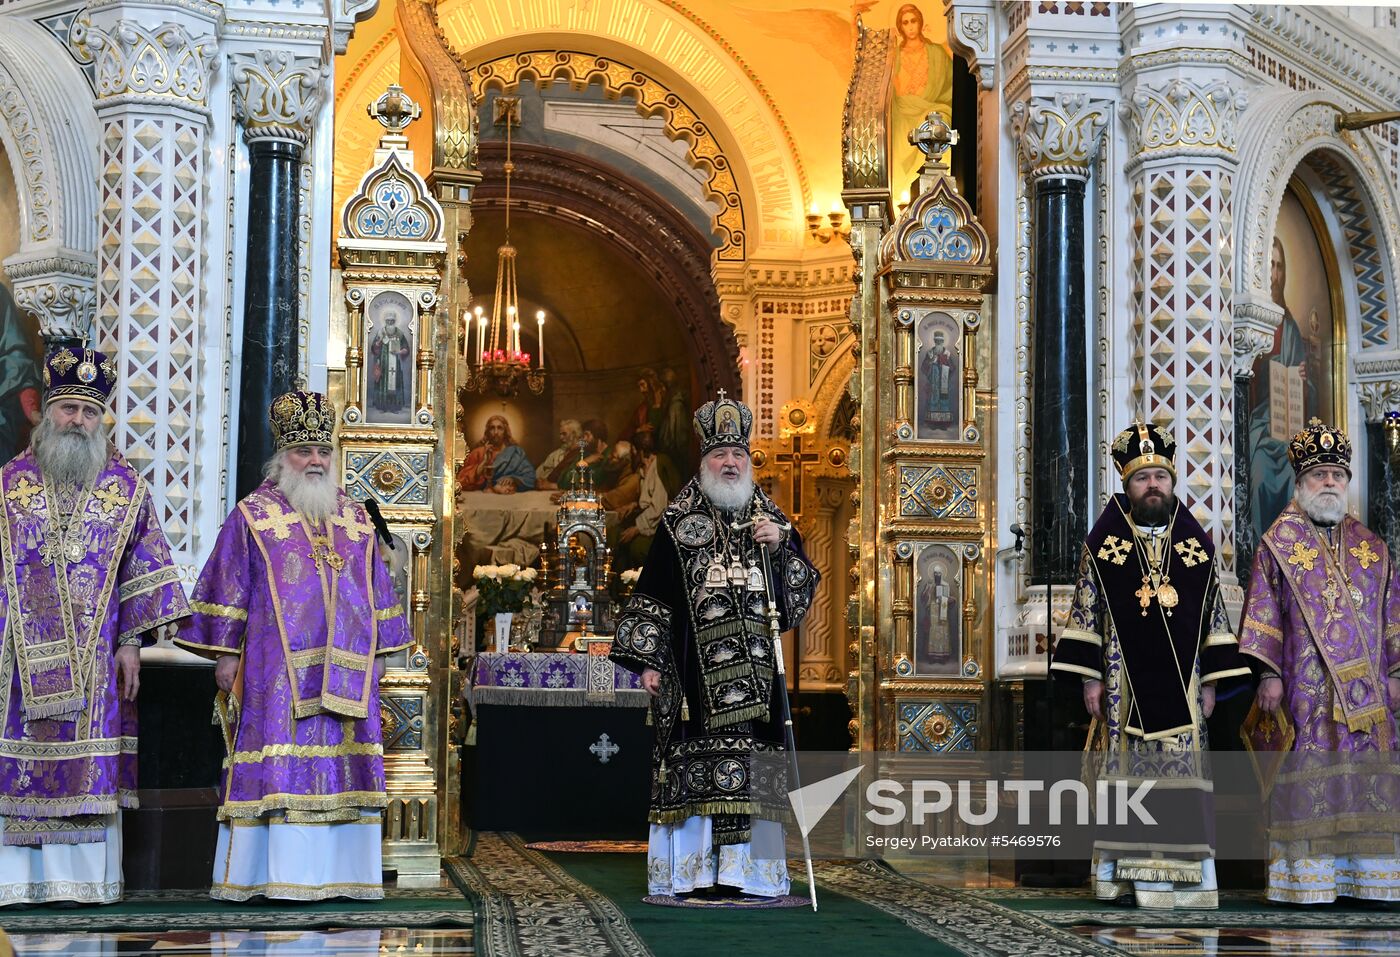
[389, 379]
[937, 611]
[1295, 380]
[635, 452]
[21, 382]
[938, 379]
[921, 82]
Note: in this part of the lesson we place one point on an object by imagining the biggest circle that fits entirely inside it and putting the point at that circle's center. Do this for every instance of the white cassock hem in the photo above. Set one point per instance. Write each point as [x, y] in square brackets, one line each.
[306, 862]
[683, 857]
[85, 873]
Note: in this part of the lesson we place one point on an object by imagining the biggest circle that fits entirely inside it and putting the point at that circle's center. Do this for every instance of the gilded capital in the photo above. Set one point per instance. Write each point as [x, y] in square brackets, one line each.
[276, 94]
[164, 63]
[1183, 116]
[1058, 135]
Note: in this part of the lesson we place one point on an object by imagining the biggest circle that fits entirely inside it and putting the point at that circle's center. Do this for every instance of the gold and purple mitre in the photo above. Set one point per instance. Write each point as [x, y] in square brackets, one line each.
[302, 418]
[1319, 444]
[723, 423]
[1143, 445]
[72, 373]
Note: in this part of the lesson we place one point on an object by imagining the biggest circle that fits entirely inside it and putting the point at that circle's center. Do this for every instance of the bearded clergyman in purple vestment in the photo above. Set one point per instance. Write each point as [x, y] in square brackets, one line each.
[298, 611]
[85, 578]
[1322, 623]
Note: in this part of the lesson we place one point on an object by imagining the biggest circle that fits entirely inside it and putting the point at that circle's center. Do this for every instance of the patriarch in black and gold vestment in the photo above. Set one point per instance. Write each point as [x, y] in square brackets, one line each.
[1148, 635]
[695, 628]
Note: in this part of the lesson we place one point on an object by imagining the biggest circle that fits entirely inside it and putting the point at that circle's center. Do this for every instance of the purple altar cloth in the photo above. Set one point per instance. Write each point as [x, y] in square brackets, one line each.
[558, 679]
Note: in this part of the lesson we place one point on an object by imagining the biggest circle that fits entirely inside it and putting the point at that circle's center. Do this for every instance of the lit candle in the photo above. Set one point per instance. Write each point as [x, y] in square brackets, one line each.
[539, 321]
[515, 334]
[480, 332]
[511, 326]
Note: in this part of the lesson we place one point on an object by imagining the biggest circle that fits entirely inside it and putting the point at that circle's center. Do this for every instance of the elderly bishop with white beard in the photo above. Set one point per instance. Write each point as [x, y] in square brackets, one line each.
[696, 630]
[1322, 623]
[85, 578]
[297, 609]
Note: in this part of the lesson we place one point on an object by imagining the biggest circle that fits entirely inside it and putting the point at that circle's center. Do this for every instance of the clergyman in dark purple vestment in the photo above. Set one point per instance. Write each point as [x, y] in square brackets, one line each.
[1149, 637]
[297, 609]
[1322, 623]
[695, 629]
[85, 578]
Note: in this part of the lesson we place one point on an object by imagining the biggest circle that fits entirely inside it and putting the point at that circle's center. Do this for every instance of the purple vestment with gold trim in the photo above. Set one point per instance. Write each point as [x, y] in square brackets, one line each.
[1325, 617]
[308, 612]
[69, 592]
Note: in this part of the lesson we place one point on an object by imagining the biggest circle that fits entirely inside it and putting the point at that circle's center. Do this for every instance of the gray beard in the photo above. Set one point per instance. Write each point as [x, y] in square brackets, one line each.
[71, 456]
[1322, 507]
[727, 496]
[315, 498]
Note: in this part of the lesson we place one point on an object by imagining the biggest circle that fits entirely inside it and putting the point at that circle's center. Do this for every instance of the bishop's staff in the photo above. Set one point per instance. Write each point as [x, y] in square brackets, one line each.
[775, 632]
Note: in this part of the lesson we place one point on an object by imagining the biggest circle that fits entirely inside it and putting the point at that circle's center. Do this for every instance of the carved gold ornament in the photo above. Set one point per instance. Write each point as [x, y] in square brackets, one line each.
[388, 478]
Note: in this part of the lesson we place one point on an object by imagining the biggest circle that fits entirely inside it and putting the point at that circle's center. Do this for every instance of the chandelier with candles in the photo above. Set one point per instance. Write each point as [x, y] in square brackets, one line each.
[495, 361]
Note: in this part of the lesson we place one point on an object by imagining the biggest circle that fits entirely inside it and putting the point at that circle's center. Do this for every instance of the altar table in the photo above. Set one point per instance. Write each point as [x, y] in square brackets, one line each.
[563, 750]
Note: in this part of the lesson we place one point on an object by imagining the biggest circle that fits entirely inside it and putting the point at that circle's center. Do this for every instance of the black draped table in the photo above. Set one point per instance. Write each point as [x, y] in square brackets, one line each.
[563, 749]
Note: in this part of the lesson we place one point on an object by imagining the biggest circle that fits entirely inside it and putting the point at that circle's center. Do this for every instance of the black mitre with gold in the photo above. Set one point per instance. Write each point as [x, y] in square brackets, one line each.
[723, 423]
[1319, 444]
[1143, 445]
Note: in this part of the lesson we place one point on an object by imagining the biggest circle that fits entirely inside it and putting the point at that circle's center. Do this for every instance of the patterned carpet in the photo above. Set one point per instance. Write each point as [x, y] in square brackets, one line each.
[589, 905]
[195, 911]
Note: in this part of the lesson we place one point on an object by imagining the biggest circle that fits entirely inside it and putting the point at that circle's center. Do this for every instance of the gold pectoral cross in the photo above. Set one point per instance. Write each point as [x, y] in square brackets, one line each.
[1331, 593]
[321, 553]
[1144, 595]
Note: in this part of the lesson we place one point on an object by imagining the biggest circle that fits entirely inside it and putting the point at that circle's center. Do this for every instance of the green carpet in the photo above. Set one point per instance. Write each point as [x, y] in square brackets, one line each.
[1237, 909]
[194, 910]
[590, 905]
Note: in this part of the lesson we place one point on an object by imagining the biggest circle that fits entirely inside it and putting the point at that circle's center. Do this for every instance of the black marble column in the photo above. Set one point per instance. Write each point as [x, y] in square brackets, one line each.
[1059, 416]
[1244, 513]
[1382, 489]
[270, 348]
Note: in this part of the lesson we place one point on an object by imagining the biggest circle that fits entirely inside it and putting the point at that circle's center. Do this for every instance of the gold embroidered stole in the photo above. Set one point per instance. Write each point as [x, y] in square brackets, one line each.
[1334, 623]
[331, 671]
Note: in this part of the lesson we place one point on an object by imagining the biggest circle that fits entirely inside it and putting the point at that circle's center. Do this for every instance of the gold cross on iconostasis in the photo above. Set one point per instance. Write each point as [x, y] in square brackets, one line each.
[789, 466]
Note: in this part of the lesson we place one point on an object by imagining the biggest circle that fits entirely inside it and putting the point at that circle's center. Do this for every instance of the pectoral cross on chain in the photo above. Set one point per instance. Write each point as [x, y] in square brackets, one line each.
[1331, 593]
[1144, 596]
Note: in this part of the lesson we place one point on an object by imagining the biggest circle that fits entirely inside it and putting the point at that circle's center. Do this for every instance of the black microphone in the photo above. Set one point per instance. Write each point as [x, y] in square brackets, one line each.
[380, 526]
[1020, 534]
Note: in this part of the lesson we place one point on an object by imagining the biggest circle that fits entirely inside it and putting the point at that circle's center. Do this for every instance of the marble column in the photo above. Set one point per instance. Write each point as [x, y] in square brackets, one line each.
[1060, 432]
[1381, 453]
[1058, 137]
[276, 97]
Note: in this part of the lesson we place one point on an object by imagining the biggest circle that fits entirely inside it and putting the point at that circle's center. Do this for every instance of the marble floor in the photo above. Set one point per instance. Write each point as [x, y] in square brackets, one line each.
[1245, 941]
[378, 942]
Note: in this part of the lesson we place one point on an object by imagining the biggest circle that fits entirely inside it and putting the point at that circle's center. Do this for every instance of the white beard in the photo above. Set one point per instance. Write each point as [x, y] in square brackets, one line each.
[71, 456]
[1323, 507]
[315, 497]
[728, 495]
